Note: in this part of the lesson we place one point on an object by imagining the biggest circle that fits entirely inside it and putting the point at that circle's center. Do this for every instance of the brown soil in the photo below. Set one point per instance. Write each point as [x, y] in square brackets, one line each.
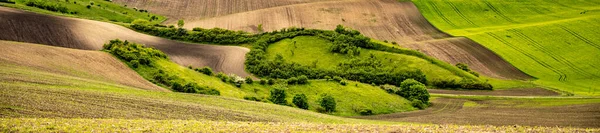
[446, 111]
[23, 26]
[510, 92]
[93, 65]
[380, 19]
[197, 9]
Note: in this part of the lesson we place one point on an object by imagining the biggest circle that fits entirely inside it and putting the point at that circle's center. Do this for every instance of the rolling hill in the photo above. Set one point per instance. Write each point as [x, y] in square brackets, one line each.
[380, 19]
[91, 35]
[554, 41]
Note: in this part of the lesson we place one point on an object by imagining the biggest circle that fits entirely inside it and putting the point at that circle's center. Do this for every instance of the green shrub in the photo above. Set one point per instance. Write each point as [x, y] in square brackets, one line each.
[278, 96]
[252, 98]
[366, 112]
[302, 79]
[418, 104]
[50, 6]
[223, 77]
[205, 70]
[300, 101]
[413, 90]
[249, 80]
[292, 80]
[328, 103]
[263, 81]
[337, 79]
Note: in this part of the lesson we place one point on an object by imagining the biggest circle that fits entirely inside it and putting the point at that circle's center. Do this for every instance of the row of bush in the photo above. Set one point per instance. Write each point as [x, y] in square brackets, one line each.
[50, 6]
[136, 56]
[412, 90]
[327, 102]
[198, 35]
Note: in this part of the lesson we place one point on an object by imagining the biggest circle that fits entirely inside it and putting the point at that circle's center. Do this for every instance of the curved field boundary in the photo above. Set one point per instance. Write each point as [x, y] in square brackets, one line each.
[510, 92]
[380, 19]
[486, 112]
[24, 58]
[495, 10]
[562, 76]
[92, 35]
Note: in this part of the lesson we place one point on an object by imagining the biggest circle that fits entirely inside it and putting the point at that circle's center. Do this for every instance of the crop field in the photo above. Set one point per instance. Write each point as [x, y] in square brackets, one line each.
[504, 111]
[62, 69]
[91, 35]
[100, 10]
[390, 20]
[554, 41]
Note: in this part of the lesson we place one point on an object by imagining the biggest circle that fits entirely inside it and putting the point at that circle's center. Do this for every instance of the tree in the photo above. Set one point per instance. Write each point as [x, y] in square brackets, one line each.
[328, 103]
[205, 70]
[278, 96]
[180, 23]
[463, 67]
[300, 101]
[302, 79]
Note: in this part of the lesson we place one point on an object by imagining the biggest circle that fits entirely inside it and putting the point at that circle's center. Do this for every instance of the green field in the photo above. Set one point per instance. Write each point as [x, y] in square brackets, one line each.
[102, 10]
[554, 41]
[311, 51]
[372, 97]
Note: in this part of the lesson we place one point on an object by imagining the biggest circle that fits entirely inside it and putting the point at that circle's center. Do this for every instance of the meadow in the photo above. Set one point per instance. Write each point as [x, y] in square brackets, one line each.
[553, 41]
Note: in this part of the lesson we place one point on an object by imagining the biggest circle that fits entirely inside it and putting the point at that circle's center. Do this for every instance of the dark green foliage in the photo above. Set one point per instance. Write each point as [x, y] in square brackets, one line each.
[278, 96]
[366, 112]
[271, 81]
[252, 98]
[344, 83]
[137, 55]
[249, 80]
[413, 90]
[337, 79]
[88, 6]
[292, 80]
[7, 1]
[180, 23]
[328, 103]
[198, 35]
[263, 82]
[418, 104]
[466, 68]
[390, 88]
[462, 84]
[50, 6]
[223, 77]
[300, 101]
[302, 79]
[205, 70]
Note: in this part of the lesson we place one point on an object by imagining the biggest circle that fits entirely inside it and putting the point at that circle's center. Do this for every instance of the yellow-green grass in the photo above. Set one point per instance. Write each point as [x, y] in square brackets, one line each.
[107, 11]
[554, 41]
[348, 98]
[38, 94]
[144, 125]
[310, 49]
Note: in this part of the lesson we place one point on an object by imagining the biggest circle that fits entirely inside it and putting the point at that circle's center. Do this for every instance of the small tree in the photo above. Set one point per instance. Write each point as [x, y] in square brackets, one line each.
[463, 67]
[260, 28]
[180, 23]
[300, 101]
[205, 70]
[278, 96]
[413, 90]
[328, 103]
[302, 79]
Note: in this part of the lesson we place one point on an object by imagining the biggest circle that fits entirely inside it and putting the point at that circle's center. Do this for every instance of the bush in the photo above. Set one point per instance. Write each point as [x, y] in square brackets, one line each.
[366, 112]
[50, 6]
[418, 104]
[249, 80]
[205, 70]
[292, 80]
[271, 81]
[223, 77]
[390, 88]
[300, 101]
[252, 98]
[278, 96]
[413, 90]
[327, 102]
[337, 79]
[463, 84]
[344, 83]
[263, 82]
[302, 79]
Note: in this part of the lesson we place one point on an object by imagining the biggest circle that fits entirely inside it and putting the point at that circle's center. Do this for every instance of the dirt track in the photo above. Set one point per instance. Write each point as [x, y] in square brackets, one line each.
[451, 111]
[379, 19]
[24, 26]
[93, 65]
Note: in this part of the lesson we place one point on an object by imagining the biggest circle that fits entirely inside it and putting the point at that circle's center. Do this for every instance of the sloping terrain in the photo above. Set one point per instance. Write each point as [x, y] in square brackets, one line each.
[198, 9]
[91, 35]
[532, 112]
[79, 64]
[380, 19]
[554, 41]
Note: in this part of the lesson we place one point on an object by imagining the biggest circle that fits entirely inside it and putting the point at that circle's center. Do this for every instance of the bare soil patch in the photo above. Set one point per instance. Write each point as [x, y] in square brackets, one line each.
[510, 92]
[93, 65]
[380, 19]
[24, 26]
[446, 111]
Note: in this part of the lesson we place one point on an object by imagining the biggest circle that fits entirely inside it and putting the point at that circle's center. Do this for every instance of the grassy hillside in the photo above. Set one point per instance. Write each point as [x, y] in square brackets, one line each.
[553, 41]
[313, 51]
[371, 97]
[102, 10]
